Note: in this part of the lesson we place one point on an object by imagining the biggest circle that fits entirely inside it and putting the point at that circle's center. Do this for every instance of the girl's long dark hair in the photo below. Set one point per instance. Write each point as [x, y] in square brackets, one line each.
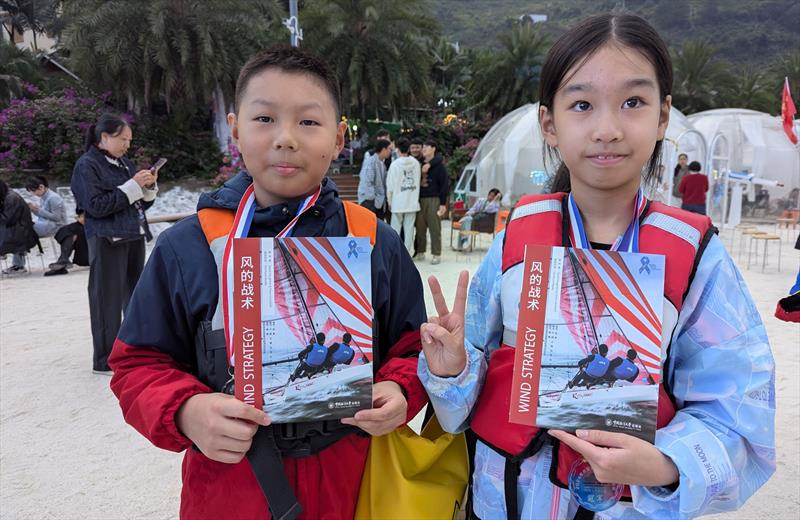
[107, 123]
[577, 45]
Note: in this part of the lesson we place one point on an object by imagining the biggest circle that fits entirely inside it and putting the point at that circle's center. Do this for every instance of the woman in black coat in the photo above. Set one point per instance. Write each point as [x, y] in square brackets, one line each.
[114, 196]
[16, 228]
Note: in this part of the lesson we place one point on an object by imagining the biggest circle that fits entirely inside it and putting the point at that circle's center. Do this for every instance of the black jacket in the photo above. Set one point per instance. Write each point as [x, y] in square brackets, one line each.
[437, 183]
[108, 212]
[16, 225]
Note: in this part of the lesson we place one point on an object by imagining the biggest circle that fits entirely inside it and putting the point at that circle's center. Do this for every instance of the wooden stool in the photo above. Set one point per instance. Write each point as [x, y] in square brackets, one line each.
[746, 233]
[784, 223]
[740, 228]
[767, 238]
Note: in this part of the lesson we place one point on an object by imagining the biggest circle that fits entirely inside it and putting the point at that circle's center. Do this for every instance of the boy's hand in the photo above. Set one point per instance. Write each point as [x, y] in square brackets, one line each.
[221, 426]
[443, 335]
[442, 211]
[389, 412]
[621, 458]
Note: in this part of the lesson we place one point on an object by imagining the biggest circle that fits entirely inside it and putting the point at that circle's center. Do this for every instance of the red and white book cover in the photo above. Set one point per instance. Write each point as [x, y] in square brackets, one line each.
[589, 341]
[302, 326]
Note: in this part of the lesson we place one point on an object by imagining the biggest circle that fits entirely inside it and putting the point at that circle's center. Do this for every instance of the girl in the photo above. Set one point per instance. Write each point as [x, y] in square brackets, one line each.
[604, 108]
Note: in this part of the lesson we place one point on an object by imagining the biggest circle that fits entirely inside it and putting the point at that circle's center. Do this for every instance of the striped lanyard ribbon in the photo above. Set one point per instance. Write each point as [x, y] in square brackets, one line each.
[627, 242]
[240, 228]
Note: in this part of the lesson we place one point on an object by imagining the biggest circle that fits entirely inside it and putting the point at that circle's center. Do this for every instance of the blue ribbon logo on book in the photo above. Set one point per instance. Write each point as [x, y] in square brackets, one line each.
[646, 265]
[354, 249]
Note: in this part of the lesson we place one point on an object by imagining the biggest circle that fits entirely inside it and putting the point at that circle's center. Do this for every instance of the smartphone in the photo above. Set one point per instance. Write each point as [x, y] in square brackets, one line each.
[157, 166]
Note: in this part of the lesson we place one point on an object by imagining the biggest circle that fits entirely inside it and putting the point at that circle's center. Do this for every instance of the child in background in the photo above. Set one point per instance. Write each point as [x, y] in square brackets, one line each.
[604, 107]
[170, 361]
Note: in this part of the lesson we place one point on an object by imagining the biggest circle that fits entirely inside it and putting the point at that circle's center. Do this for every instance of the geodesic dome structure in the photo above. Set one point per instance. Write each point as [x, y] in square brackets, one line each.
[510, 156]
[754, 142]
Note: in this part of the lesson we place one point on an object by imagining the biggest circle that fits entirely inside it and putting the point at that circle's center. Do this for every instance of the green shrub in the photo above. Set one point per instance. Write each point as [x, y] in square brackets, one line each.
[48, 133]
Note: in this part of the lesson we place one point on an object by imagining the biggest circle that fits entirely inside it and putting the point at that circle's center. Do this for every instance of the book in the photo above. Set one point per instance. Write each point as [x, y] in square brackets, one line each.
[589, 337]
[302, 326]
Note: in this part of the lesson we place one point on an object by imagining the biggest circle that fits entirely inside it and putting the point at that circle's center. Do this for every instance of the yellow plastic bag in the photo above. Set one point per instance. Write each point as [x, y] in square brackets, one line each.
[410, 476]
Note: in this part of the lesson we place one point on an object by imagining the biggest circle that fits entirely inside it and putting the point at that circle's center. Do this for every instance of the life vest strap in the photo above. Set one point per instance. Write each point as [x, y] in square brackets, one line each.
[675, 227]
[361, 222]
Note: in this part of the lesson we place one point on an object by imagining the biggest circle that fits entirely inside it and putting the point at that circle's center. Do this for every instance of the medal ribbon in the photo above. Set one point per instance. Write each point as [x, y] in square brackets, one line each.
[240, 229]
[627, 242]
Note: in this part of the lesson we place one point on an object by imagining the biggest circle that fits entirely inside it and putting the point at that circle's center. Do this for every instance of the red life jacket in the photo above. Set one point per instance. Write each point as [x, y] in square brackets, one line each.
[679, 235]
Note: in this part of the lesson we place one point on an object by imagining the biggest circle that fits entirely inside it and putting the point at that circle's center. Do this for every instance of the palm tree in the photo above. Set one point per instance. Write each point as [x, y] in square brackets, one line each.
[699, 79]
[174, 51]
[749, 89]
[35, 15]
[509, 78]
[450, 72]
[16, 67]
[786, 67]
[376, 48]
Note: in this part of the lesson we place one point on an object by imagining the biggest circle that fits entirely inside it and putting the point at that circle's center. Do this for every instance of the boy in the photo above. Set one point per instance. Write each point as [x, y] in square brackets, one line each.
[433, 193]
[170, 360]
[50, 212]
[402, 192]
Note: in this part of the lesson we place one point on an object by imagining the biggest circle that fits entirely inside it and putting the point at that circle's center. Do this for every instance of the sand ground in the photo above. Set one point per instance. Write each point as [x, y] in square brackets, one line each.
[66, 453]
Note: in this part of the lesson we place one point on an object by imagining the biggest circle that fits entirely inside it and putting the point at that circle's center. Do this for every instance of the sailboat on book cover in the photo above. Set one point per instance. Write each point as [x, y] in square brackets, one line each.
[316, 327]
[601, 350]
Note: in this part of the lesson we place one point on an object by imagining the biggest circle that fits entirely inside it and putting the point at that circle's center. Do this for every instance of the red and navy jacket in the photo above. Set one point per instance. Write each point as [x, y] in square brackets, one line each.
[157, 365]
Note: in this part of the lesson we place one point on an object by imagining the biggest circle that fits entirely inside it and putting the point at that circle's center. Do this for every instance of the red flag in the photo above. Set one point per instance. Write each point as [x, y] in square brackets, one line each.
[787, 113]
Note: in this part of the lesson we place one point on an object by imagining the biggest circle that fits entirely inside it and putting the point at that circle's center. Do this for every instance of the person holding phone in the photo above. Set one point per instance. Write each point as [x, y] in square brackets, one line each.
[114, 196]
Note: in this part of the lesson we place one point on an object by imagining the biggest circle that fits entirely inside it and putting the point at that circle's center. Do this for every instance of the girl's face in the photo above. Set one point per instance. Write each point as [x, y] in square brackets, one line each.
[606, 118]
[117, 145]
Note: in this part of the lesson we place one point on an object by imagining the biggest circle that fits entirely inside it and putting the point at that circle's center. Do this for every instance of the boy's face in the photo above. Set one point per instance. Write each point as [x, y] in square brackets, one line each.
[428, 151]
[415, 150]
[287, 132]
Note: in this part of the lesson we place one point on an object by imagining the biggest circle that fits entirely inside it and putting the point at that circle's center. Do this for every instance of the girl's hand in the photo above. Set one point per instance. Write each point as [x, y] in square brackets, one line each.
[443, 335]
[389, 412]
[621, 458]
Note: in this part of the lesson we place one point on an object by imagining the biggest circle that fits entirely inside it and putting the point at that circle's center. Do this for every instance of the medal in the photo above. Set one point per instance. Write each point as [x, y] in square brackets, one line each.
[240, 229]
[588, 491]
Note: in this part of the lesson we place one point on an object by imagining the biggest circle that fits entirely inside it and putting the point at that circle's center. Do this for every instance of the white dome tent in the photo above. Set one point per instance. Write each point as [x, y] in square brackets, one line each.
[756, 144]
[510, 157]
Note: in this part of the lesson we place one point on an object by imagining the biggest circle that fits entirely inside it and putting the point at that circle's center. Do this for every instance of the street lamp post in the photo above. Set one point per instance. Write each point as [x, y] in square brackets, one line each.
[292, 23]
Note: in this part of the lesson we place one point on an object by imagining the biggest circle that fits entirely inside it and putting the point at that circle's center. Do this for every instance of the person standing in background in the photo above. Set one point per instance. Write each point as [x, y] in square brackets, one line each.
[434, 189]
[693, 189]
[372, 179]
[402, 192]
[114, 196]
[681, 169]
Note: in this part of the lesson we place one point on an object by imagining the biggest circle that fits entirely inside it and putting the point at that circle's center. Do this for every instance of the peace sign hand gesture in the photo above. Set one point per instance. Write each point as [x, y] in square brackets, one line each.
[443, 335]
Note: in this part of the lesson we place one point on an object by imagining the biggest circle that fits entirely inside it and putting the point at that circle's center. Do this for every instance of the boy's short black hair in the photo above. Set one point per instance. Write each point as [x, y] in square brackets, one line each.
[382, 133]
[417, 140]
[288, 59]
[34, 182]
[381, 146]
[694, 166]
[430, 142]
[403, 145]
[79, 211]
